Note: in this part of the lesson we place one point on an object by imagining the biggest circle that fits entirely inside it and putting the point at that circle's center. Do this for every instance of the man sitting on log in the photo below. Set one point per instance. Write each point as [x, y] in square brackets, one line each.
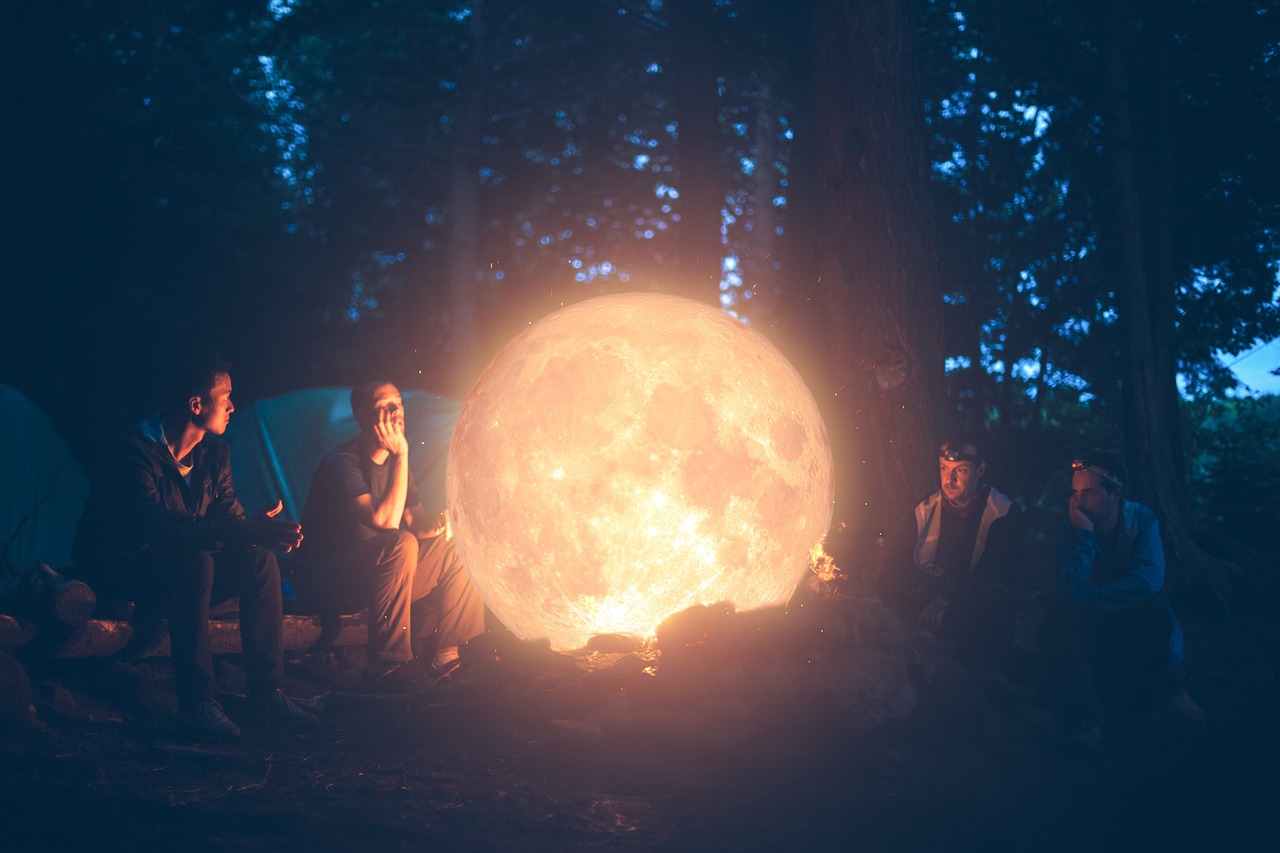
[373, 545]
[956, 563]
[162, 527]
[1110, 635]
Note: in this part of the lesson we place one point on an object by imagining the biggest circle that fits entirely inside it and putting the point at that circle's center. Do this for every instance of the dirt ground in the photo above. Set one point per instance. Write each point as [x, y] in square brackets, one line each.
[613, 751]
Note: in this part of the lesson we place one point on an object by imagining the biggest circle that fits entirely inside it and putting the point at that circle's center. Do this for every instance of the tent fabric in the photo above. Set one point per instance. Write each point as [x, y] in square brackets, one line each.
[277, 443]
[43, 490]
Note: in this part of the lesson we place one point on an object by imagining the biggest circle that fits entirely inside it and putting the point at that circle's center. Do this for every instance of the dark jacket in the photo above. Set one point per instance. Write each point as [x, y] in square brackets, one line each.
[140, 501]
[1078, 578]
[905, 582]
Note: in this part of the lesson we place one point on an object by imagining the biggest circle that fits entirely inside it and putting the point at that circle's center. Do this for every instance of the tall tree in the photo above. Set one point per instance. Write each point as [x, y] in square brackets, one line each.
[878, 265]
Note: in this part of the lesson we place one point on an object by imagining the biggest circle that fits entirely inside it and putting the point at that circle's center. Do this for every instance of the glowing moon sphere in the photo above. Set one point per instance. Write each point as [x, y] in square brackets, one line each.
[628, 457]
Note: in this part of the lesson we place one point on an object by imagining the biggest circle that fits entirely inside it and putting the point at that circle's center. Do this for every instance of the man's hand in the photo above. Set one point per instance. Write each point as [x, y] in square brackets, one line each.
[1078, 519]
[266, 531]
[441, 527]
[390, 431]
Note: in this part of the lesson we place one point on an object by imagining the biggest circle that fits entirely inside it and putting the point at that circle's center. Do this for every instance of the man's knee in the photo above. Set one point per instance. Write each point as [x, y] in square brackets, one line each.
[193, 568]
[400, 550]
[264, 564]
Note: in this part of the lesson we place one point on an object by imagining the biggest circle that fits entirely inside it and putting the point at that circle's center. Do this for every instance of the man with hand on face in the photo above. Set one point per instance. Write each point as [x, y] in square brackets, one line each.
[373, 545]
[162, 527]
[956, 562]
[1111, 635]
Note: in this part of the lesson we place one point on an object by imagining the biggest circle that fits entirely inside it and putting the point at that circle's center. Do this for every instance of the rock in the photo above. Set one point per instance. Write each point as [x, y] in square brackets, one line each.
[16, 710]
[870, 686]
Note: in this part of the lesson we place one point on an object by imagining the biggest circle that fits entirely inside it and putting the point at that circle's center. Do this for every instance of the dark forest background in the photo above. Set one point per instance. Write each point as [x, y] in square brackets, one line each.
[1047, 219]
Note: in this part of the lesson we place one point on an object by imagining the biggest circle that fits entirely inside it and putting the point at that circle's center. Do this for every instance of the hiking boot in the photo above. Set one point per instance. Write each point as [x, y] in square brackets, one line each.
[208, 720]
[276, 708]
[389, 678]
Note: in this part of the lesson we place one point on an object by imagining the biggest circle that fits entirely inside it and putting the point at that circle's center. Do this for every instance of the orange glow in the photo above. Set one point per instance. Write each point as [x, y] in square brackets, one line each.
[630, 456]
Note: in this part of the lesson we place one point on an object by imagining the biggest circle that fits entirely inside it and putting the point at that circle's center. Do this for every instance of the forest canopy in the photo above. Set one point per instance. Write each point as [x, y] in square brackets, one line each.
[331, 189]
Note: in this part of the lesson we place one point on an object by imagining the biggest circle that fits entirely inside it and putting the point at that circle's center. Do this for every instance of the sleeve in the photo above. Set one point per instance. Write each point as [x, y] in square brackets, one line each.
[900, 578]
[225, 503]
[1077, 554]
[1003, 556]
[143, 508]
[340, 479]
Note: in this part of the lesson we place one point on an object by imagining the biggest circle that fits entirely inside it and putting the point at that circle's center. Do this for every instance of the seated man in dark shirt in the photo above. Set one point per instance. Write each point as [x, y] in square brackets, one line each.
[162, 527]
[955, 564]
[373, 545]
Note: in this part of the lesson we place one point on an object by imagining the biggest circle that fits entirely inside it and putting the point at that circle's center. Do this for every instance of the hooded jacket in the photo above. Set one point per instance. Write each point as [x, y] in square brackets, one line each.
[140, 500]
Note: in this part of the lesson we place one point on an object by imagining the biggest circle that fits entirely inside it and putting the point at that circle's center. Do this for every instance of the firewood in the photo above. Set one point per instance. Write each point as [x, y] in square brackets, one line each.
[42, 593]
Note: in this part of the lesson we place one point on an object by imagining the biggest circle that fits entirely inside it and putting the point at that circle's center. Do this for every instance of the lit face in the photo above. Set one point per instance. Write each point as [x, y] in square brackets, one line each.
[212, 410]
[386, 398]
[960, 479]
[1091, 498]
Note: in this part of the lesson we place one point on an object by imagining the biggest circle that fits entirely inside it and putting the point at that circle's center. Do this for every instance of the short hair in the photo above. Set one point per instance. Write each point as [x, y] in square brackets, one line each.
[362, 397]
[958, 438]
[1112, 471]
[192, 373]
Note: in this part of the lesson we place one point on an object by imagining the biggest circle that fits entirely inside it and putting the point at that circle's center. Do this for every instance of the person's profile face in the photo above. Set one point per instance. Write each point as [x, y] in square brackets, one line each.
[1091, 497]
[212, 410]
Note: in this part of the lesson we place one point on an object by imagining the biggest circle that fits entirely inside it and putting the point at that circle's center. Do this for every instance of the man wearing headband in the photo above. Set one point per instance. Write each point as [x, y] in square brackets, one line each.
[1111, 636]
[956, 562]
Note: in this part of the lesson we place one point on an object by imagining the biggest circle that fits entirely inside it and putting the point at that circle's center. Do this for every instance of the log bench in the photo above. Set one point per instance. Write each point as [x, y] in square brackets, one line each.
[99, 638]
[48, 614]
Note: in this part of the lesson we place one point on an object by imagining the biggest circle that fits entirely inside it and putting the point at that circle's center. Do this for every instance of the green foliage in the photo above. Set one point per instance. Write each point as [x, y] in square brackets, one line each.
[1018, 118]
[1236, 469]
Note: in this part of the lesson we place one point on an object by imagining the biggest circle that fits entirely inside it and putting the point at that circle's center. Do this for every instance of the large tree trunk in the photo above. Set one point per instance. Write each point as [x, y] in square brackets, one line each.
[464, 212]
[697, 108]
[878, 267]
[1137, 130]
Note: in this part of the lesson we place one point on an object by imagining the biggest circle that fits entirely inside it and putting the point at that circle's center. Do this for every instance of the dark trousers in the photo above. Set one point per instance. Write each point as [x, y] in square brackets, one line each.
[182, 585]
[1106, 663]
[392, 574]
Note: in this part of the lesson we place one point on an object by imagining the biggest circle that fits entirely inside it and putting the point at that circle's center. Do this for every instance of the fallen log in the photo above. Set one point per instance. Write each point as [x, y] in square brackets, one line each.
[40, 592]
[96, 638]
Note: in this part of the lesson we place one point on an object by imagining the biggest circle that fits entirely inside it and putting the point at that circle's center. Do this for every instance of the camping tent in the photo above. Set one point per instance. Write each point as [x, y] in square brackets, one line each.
[43, 489]
[276, 444]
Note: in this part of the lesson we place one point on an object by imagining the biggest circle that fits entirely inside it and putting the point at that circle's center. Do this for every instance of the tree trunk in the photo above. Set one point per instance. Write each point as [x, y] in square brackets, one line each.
[1146, 283]
[464, 212]
[878, 267]
[697, 108]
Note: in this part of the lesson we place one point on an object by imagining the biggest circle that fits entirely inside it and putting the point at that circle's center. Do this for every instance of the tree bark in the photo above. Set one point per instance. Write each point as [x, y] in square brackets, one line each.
[464, 212]
[1141, 174]
[879, 278]
[697, 108]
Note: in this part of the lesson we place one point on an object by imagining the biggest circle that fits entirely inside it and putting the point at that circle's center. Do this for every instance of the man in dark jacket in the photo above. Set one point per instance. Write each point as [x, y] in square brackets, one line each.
[162, 527]
[956, 562]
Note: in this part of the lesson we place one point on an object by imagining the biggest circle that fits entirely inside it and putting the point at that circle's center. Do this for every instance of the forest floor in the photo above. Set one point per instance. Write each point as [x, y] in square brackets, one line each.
[538, 751]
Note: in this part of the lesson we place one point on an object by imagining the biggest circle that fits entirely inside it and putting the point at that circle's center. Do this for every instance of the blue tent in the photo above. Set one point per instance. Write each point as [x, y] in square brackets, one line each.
[276, 444]
[43, 489]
